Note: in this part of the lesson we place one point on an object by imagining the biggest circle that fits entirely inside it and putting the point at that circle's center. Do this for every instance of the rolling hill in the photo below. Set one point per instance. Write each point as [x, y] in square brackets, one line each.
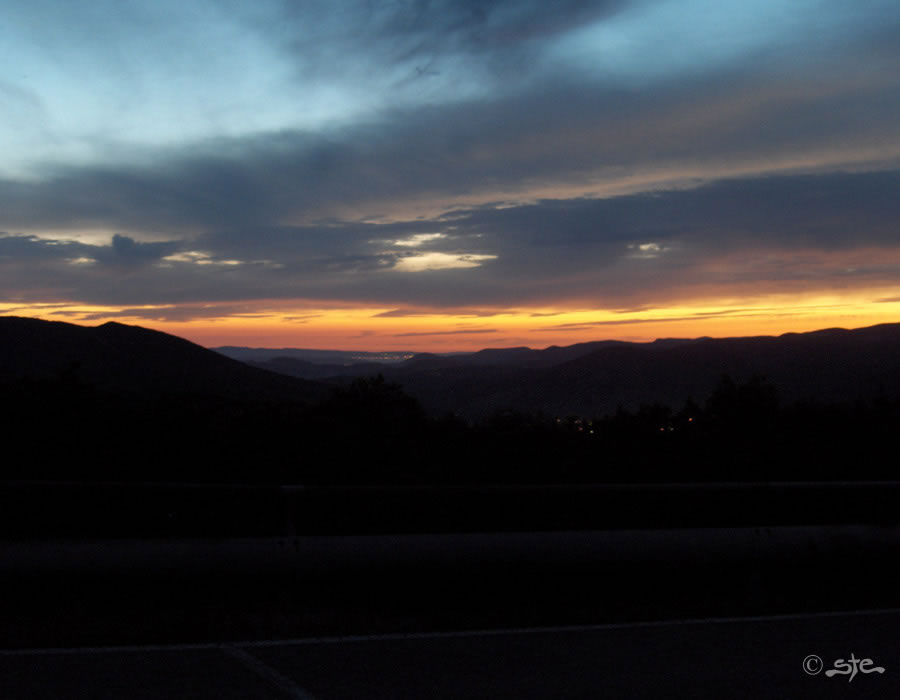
[592, 379]
[130, 359]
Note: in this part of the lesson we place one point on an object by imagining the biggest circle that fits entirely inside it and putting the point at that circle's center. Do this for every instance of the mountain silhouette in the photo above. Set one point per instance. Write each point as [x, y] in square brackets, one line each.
[127, 403]
[126, 359]
[586, 379]
[596, 378]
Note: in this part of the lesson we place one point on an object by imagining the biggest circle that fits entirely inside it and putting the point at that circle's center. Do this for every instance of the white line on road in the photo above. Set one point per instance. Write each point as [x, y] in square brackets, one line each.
[561, 629]
[267, 673]
[400, 636]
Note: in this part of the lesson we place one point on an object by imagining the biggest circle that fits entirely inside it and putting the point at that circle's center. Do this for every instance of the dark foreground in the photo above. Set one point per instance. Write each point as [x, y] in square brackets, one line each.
[749, 658]
[173, 564]
[114, 592]
[595, 583]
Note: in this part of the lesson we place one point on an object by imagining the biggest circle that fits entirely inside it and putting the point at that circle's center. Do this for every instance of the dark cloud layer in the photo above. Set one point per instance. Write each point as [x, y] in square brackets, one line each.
[566, 130]
[793, 230]
[420, 37]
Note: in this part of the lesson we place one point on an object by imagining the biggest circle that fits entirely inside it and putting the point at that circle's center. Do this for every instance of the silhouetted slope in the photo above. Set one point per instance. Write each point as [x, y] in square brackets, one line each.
[520, 357]
[130, 359]
[828, 366]
[831, 365]
[122, 403]
[315, 356]
[548, 357]
[596, 378]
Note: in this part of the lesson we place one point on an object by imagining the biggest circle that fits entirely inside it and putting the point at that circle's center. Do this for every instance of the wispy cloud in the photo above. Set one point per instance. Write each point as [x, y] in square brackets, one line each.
[802, 232]
[469, 331]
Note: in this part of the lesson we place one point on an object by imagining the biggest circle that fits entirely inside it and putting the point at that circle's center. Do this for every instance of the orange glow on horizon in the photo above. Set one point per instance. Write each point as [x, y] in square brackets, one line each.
[351, 327]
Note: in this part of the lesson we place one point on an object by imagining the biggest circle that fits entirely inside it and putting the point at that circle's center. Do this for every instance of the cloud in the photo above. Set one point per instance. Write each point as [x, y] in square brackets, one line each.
[122, 250]
[704, 315]
[440, 261]
[407, 313]
[26, 248]
[447, 155]
[795, 233]
[457, 332]
[431, 40]
[419, 239]
[569, 133]
[127, 251]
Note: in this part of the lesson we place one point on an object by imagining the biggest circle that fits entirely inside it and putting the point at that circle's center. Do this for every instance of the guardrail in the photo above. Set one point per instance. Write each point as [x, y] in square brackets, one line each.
[34, 510]
[584, 551]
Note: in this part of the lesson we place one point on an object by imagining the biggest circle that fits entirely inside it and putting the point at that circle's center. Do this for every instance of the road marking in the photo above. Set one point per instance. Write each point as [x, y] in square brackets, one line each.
[400, 636]
[267, 673]
[561, 629]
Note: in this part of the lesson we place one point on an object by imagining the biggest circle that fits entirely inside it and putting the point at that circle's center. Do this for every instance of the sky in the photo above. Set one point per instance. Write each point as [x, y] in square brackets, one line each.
[451, 174]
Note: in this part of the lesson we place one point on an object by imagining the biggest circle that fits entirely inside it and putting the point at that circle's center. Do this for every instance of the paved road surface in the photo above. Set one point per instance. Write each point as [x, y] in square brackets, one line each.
[730, 658]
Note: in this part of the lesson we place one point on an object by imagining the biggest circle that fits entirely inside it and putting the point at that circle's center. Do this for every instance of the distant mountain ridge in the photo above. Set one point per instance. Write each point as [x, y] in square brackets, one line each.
[595, 378]
[585, 379]
[144, 405]
[311, 355]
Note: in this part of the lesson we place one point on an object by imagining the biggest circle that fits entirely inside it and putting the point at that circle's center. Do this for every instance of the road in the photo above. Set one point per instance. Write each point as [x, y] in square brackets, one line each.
[722, 658]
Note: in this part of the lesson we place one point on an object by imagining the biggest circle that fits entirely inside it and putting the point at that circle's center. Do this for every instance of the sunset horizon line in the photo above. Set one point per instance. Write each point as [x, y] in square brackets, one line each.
[248, 342]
